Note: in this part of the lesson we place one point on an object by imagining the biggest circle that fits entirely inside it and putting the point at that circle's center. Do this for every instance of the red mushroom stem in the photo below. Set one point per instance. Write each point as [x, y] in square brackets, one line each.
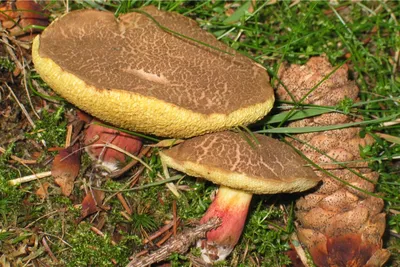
[110, 158]
[231, 206]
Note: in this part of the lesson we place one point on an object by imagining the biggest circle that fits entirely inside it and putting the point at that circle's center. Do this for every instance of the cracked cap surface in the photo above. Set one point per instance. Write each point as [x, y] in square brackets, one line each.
[130, 72]
[227, 158]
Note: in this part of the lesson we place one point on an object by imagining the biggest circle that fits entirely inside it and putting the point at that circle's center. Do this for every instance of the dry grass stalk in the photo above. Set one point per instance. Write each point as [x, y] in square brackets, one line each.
[29, 178]
[18, 159]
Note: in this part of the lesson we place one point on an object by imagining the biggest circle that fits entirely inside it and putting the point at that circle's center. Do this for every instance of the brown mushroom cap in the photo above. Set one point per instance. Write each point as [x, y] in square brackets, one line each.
[133, 74]
[226, 158]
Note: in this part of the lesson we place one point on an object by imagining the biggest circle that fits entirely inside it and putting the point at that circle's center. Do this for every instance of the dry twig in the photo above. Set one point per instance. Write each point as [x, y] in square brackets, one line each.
[175, 220]
[29, 178]
[161, 231]
[22, 161]
[9, 49]
[165, 238]
[48, 250]
[180, 244]
[124, 203]
[21, 106]
[100, 233]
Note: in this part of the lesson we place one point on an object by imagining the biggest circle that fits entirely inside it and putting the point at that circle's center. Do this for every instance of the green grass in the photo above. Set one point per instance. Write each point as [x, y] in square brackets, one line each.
[365, 35]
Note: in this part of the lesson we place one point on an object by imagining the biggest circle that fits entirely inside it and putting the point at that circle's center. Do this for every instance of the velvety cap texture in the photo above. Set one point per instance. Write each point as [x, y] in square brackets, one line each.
[267, 166]
[135, 74]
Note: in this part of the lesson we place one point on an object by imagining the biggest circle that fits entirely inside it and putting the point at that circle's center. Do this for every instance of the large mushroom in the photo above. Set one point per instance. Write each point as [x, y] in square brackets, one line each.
[266, 166]
[173, 80]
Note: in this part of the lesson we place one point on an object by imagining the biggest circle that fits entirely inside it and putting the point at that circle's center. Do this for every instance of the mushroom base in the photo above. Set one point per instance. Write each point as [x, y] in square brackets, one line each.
[231, 206]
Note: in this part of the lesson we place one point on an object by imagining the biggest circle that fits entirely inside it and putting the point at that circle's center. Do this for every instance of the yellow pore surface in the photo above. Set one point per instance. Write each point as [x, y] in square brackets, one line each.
[240, 181]
[136, 112]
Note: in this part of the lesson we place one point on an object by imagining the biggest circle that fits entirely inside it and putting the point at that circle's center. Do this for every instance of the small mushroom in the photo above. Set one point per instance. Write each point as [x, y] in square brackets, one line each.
[228, 159]
[133, 73]
[107, 157]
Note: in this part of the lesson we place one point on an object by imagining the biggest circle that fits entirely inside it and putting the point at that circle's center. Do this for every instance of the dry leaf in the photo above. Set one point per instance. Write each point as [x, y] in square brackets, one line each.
[42, 190]
[4, 262]
[92, 203]
[66, 167]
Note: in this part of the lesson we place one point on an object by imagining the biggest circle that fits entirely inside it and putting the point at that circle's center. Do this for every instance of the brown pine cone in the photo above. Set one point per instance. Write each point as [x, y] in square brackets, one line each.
[338, 223]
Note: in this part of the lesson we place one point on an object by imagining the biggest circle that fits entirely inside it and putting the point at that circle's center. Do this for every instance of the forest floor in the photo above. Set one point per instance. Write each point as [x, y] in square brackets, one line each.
[40, 225]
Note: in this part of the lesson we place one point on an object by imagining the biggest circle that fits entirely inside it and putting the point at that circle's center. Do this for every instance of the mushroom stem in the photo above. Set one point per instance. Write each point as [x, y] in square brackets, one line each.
[109, 158]
[231, 206]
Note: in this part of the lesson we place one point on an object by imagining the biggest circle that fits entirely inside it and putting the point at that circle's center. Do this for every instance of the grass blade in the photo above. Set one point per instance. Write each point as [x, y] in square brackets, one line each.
[292, 130]
[296, 115]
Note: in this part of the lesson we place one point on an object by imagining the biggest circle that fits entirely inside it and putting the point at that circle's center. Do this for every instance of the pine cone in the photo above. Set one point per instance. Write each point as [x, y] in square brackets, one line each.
[339, 224]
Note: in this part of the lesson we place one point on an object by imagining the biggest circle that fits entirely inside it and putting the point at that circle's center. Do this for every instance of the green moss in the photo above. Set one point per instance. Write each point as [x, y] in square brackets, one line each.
[10, 201]
[90, 249]
[194, 203]
[6, 64]
[51, 128]
[264, 236]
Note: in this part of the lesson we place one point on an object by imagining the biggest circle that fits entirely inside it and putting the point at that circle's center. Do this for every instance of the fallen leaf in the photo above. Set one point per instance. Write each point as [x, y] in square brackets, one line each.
[66, 167]
[91, 203]
[42, 190]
